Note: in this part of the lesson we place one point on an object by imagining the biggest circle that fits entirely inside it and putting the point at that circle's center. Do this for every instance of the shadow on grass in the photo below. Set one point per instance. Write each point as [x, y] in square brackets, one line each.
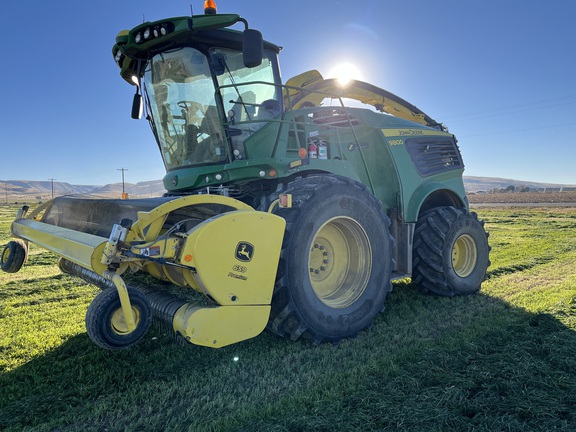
[76, 375]
[427, 363]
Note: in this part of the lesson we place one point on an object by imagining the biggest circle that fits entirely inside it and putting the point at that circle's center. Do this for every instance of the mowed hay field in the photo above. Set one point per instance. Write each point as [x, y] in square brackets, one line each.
[567, 197]
[501, 360]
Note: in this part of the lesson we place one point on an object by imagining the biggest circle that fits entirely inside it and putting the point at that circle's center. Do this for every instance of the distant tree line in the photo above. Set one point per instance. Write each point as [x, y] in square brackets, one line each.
[510, 189]
[516, 189]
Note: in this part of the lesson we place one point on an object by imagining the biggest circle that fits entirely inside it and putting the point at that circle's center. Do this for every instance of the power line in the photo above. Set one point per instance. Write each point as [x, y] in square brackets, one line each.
[510, 109]
[517, 130]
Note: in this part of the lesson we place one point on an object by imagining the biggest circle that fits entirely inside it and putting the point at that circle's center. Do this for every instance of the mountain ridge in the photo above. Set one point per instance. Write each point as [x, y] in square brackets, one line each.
[486, 184]
[43, 190]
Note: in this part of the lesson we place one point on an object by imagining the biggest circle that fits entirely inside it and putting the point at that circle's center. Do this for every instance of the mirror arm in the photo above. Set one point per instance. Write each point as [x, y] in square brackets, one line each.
[242, 20]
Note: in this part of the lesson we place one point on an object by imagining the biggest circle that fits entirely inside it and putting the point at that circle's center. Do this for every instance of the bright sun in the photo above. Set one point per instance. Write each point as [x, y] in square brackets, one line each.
[344, 72]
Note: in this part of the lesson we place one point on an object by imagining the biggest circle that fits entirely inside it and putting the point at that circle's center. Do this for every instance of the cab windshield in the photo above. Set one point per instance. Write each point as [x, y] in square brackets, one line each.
[184, 111]
[180, 98]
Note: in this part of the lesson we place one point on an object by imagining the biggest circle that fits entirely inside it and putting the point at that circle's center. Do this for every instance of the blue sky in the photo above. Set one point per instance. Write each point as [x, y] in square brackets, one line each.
[500, 74]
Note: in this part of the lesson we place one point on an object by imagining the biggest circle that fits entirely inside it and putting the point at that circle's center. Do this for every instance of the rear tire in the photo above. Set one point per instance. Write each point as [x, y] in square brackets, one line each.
[13, 256]
[336, 260]
[105, 322]
[451, 252]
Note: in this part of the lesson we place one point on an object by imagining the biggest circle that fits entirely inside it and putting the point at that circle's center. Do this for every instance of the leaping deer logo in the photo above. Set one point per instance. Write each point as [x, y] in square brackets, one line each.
[244, 251]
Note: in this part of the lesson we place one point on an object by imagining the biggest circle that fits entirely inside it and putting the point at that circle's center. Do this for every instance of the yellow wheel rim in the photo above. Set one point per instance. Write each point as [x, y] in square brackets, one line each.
[464, 255]
[340, 262]
[5, 254]
[119, 323]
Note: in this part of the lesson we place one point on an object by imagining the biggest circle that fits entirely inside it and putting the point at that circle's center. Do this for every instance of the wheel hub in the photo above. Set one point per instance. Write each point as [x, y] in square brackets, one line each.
[118, 321]
[464, 255]
[5, 255]
[320, 264]
[340, 262]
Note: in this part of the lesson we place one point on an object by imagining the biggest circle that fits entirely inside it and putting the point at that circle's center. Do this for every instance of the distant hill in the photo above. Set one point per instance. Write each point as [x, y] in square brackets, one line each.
[487, 184]
[140, 190]
[27, 190]
[27, 187]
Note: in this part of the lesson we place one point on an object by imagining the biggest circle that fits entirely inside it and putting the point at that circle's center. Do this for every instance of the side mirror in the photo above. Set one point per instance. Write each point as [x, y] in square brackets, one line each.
[137, 106]
[252, 48]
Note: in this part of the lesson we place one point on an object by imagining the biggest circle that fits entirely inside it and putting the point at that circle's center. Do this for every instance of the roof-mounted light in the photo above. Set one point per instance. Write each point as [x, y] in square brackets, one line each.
[119, 58]
[154, 32]
[209, 7]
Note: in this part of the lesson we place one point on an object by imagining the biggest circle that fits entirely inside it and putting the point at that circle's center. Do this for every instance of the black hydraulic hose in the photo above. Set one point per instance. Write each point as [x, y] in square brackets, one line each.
[164, 305]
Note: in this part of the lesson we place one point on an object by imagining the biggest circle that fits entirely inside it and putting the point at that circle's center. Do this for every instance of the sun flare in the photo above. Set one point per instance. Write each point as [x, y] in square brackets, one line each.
[344, 72]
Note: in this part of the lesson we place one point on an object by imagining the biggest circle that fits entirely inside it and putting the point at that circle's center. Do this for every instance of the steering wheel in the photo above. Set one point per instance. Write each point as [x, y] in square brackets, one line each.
[191, 105]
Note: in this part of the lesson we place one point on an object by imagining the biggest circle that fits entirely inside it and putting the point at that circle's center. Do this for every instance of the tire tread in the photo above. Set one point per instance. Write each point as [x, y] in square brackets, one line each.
[285, 319]
[429, 242]
[18, 253]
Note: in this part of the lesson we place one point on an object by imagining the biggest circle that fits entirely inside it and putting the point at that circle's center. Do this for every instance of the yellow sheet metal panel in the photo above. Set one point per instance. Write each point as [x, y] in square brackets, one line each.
[155, 217]
[236, 256]
[409, 133]
[80, 248]
[220, 326]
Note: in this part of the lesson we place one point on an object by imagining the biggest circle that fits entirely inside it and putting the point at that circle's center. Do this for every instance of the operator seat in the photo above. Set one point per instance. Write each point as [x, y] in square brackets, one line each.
[269, 109]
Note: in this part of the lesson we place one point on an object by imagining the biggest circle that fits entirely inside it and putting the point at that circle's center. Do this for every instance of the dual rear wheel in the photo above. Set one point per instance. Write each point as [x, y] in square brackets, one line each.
[451, 252]
[336, 260]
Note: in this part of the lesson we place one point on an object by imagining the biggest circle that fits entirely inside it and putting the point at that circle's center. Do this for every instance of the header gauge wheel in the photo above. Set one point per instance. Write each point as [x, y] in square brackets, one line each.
[451, 252]
[13, 256]
[105, 321]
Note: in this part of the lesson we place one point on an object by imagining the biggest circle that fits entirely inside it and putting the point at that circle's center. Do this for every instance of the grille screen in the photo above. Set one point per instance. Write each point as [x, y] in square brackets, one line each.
[433, 155]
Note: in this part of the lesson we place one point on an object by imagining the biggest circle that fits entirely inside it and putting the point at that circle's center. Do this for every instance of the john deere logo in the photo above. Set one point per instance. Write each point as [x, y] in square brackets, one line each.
[244, 251]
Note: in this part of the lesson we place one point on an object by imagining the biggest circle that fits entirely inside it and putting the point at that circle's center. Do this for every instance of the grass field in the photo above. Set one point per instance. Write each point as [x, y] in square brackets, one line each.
[501, 360]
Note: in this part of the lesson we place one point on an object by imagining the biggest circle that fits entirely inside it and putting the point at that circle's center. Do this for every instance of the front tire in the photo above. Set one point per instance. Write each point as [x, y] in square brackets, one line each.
[105, 322]
[336, 260]
[451, 252]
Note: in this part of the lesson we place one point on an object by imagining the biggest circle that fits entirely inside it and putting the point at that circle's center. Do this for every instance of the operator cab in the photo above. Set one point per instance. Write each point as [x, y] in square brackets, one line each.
[203, 101]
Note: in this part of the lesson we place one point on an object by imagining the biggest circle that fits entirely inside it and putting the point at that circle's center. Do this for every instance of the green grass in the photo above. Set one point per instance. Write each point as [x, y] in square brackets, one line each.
[504, 359]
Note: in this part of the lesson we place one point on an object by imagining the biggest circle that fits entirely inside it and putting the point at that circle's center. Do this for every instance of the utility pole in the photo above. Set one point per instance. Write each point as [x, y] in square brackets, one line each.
[124, 194]
[52, 180]
[6, 187]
